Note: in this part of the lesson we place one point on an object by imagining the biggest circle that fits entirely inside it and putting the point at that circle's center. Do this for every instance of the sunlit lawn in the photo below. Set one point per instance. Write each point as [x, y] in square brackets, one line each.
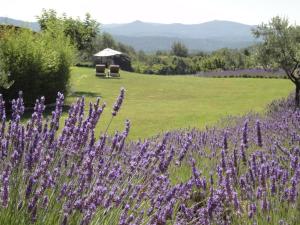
[155, 104]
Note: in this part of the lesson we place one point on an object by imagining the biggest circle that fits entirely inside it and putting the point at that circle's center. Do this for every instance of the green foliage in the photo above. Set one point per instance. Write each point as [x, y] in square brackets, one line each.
[212, 63]
[4, 79]
[107, 41]
[229, 59]
[281, 48]
[38, 64]
[47, 17]
[281, 44]
[82, 33]
[126, 49]
[85, 35]
[166, 65]
[123, 61]
[223, 59]
[179, 49]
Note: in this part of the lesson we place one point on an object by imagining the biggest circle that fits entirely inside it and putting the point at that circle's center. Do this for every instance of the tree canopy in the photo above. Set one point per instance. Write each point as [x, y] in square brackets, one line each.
[179, 49]
[82, 33]
[281, 48]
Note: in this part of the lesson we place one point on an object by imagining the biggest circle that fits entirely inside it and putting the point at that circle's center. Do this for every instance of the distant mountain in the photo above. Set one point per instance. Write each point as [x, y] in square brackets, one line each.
[150, 37]
[31, 25]
[212, 29]
[207, 36]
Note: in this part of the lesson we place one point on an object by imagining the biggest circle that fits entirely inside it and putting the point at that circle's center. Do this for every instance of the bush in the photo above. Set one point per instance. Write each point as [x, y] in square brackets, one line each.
[123, 61]
[38, 63]
[85, 64]
[163, 65]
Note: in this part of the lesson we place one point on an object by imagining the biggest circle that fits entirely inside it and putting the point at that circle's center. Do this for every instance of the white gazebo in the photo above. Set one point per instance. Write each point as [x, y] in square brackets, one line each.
[106, 55]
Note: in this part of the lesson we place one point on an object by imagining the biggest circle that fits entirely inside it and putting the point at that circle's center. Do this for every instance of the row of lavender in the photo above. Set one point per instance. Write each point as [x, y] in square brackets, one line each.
[245, 73]
[244, 174]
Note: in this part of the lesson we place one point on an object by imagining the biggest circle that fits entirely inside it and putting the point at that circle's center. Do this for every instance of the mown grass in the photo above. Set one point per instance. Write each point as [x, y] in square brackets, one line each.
[156, 104]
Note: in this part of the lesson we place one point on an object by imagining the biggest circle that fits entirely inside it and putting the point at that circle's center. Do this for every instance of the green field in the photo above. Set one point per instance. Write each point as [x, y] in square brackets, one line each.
[155, 104]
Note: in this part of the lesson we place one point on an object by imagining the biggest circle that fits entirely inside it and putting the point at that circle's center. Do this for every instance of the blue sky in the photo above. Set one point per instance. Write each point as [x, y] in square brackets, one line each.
[163, 11]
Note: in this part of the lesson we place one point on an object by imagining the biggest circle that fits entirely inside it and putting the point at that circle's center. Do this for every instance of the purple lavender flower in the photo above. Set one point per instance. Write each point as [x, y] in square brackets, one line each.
[228, 185]
[223, 162]
[259, 136]
[245, 134]
[236, 202]
[76, 174]
[196, 174]
[273, 185]
[252, 210]
[225, 142]
[118, 102]
[5, 186]
[293, 191]
[264, 204]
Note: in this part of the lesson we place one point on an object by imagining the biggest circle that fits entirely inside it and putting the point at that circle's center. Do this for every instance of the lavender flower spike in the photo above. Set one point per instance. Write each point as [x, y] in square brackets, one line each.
[119, 102]
[259, 136]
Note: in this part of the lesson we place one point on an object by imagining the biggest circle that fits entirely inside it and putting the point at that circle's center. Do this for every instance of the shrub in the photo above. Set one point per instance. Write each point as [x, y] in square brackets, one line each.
[123, 61]
[38, 63]
[85, 64]
[163, 65]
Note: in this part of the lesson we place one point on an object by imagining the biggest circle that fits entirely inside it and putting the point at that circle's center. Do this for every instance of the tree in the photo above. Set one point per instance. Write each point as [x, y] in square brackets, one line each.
[281, 49]
[82, 33]
[108, 41]
[179, 49]
[36, 63]
[47, 16]
[127, 49]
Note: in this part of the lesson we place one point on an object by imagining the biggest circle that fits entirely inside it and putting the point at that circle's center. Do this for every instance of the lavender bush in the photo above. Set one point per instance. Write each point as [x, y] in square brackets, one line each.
[246, 173]
[245, 73]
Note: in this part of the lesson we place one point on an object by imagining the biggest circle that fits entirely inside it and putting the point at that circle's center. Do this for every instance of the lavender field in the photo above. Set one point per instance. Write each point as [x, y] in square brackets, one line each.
[245, 173]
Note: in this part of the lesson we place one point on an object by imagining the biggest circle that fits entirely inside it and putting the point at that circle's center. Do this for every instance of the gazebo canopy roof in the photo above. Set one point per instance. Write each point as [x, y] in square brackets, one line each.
[107, 52]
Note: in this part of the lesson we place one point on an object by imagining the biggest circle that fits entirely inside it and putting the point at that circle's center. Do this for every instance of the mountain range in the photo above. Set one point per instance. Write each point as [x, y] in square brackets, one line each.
[212, 29]
[207, 36]
[19, 23]
[150, 37]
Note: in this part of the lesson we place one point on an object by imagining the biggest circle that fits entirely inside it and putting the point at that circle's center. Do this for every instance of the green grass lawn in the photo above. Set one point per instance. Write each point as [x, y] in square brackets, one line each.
[155, 104]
